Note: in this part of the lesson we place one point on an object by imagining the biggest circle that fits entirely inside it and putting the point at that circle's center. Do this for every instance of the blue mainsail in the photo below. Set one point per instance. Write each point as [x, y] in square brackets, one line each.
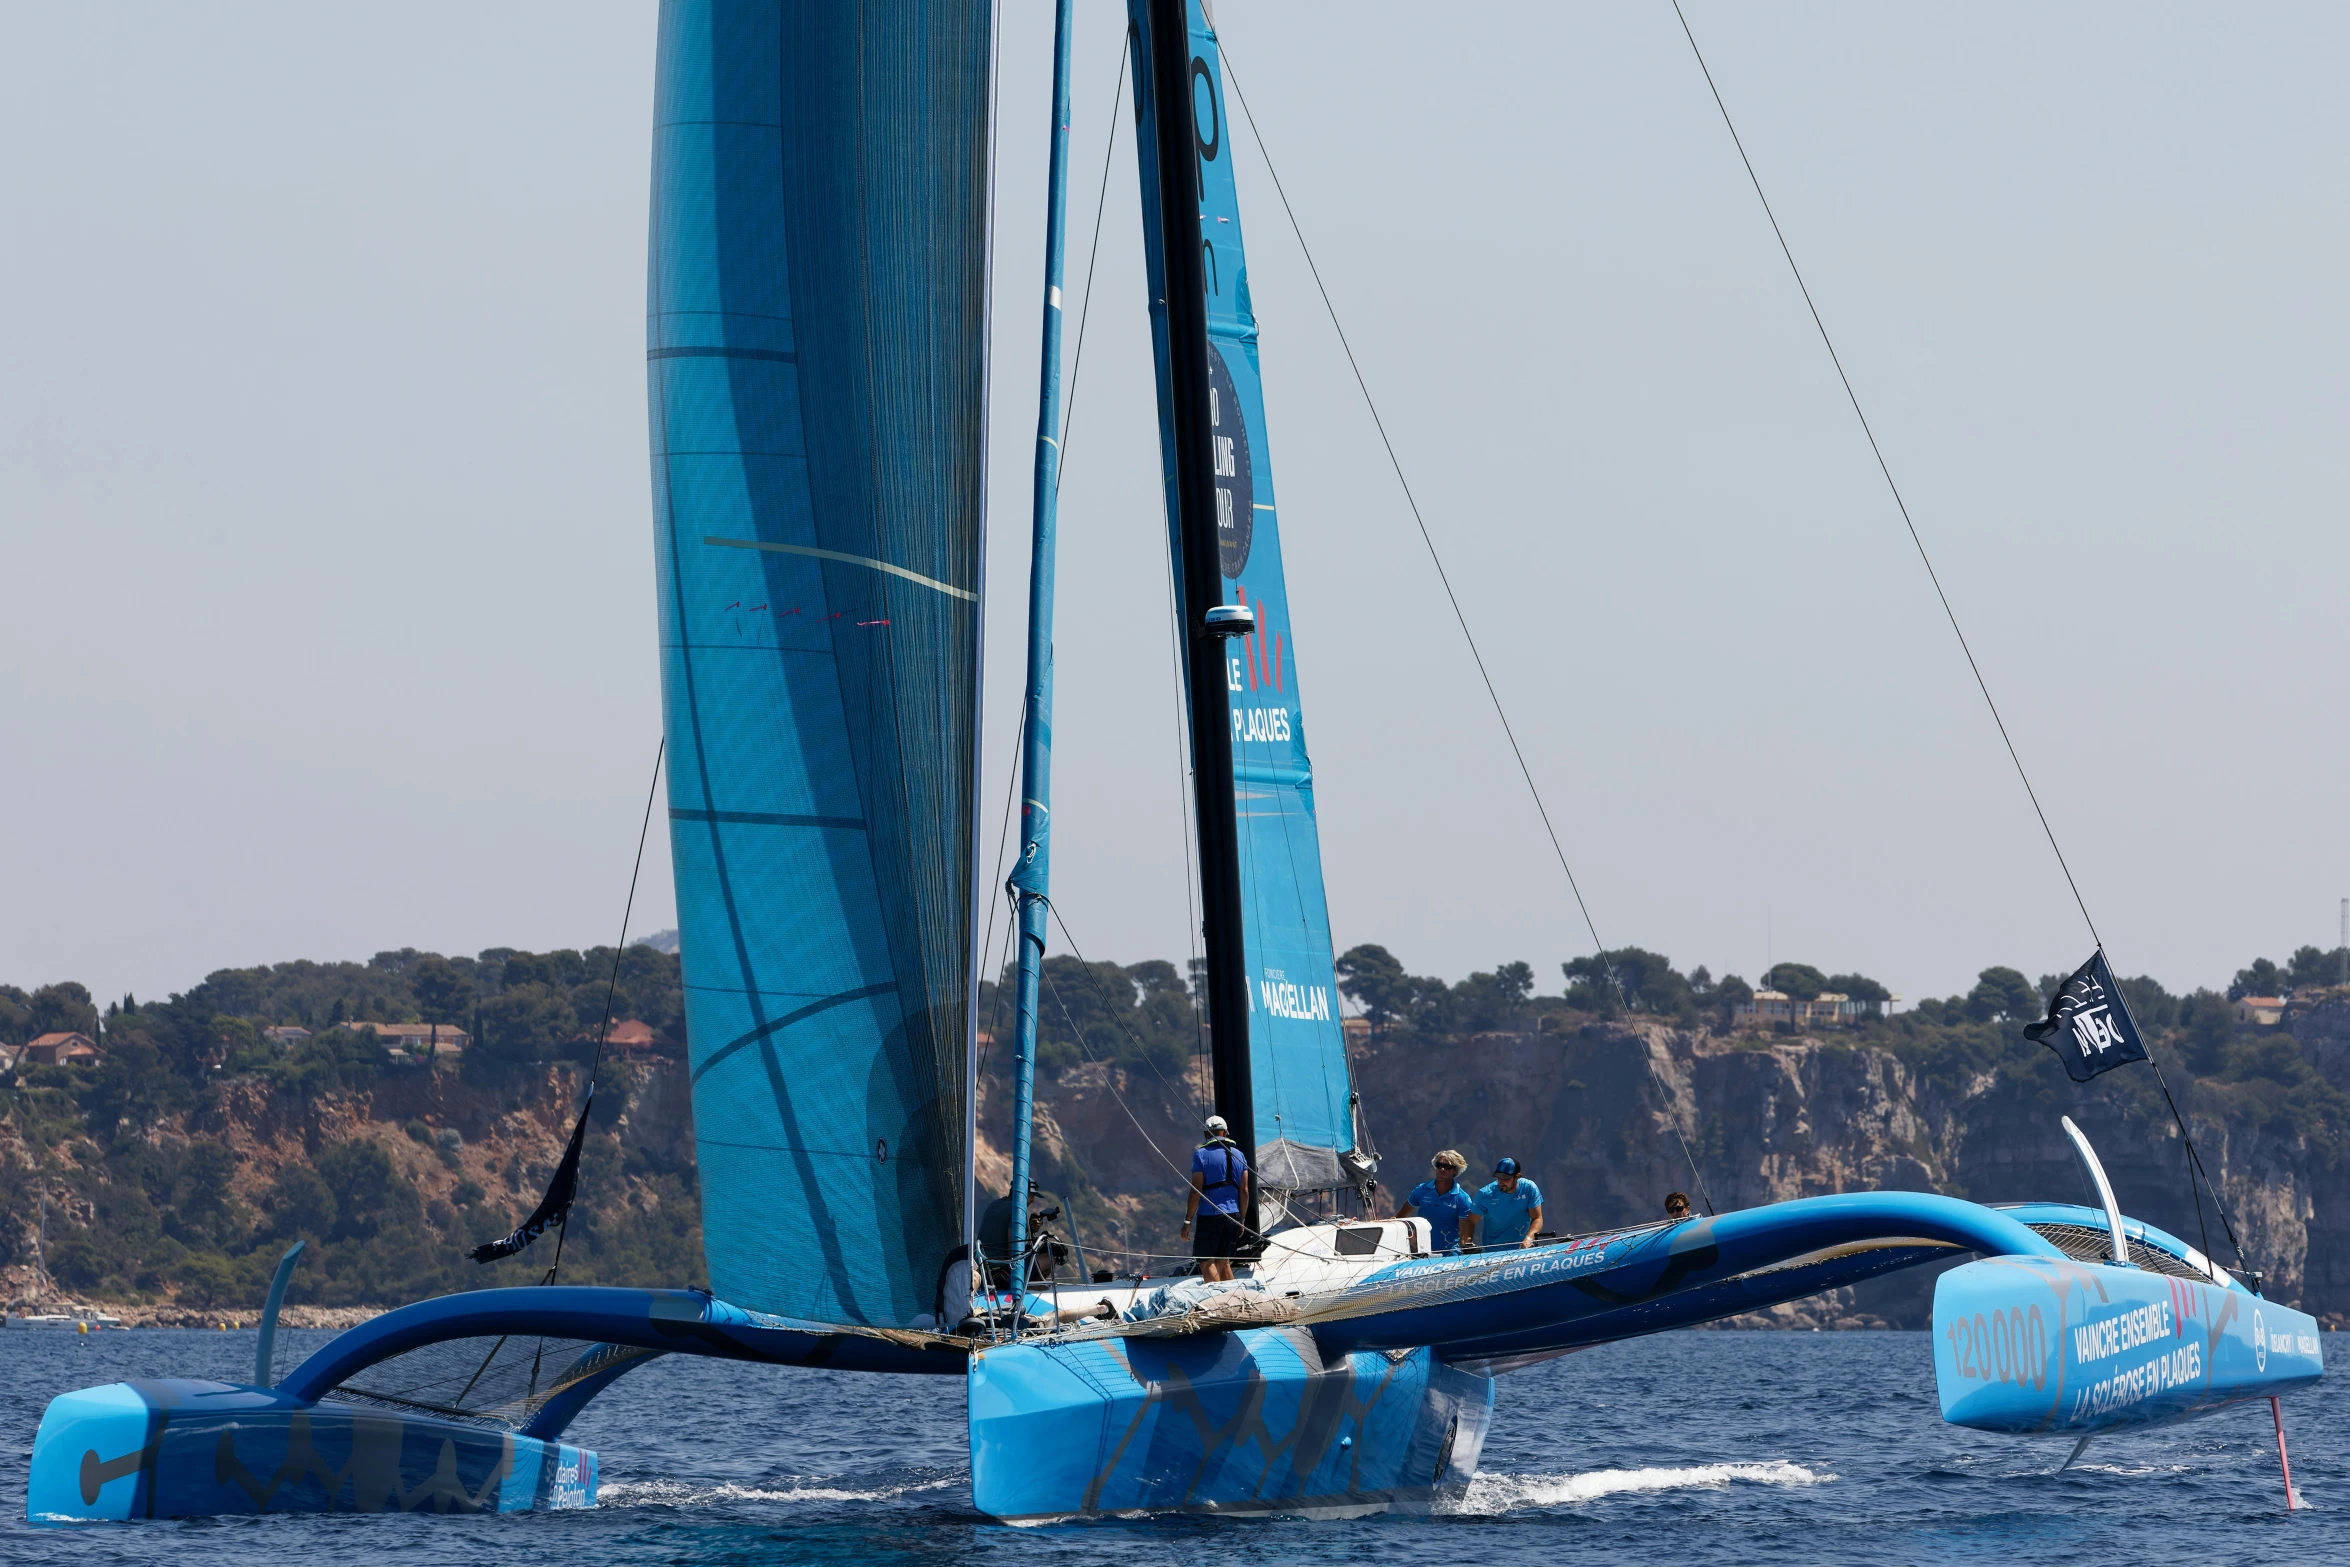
[817, 373]
[1297, 1050]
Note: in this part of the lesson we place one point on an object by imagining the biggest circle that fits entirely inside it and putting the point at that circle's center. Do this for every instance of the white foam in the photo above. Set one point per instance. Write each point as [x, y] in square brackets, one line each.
[1501, 1493]
[677, 1493]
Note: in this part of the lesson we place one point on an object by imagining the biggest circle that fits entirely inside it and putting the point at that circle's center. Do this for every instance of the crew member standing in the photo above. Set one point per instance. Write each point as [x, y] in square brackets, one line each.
[1219, 1196]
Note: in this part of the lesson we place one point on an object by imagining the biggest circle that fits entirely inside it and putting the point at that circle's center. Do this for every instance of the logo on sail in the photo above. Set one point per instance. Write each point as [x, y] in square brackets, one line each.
[1304, 1003]
[1236, 494]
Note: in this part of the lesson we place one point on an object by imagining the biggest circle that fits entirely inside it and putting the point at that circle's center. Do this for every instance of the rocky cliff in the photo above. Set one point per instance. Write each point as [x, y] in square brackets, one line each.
[1592, 1112]
[1599, 1112]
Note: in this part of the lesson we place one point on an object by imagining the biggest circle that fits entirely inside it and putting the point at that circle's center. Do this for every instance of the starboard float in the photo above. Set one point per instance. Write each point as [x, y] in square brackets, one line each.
[2132, 1327]
[2033, 1345]
[816, 366]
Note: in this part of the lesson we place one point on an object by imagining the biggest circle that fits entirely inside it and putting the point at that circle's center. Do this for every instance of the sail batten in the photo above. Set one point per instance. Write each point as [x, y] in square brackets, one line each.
[816, 355]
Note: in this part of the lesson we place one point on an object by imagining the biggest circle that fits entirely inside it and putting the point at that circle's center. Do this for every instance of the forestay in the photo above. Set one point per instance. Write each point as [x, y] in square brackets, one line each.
[1297, 1051]
[817, 360]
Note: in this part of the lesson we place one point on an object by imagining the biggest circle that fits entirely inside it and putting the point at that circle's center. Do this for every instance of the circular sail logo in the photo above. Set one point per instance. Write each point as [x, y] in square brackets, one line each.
[2259, 1342]
[1236, 493]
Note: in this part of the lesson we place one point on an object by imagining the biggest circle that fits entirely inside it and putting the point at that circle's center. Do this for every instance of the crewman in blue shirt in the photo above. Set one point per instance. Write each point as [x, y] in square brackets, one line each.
[1509, 1209]
[1442, 1203]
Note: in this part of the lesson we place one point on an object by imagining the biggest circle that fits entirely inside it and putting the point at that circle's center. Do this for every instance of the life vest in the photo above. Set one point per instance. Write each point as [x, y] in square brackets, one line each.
[1229, 1181]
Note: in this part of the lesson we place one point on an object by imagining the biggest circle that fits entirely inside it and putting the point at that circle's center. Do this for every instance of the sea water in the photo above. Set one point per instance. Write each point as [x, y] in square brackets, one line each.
[1686, 1447]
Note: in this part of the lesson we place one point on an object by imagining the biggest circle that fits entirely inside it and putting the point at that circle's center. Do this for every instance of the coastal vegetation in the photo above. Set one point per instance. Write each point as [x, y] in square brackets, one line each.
[264, 1105]
[220, 1125]
[1943, 1040]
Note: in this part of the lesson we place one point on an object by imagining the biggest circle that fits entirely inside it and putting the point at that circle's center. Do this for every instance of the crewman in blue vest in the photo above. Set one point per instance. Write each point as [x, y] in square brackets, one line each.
[1440, 1201]
[1219, 1196]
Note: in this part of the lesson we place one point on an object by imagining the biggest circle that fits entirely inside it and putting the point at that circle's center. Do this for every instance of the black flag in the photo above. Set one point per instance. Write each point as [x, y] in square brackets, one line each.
[553, 1206]
[2088, 1024]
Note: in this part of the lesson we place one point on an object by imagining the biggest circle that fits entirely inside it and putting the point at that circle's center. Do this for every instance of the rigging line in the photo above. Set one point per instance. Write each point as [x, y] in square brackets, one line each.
[2202, 1233]
[612, 986]
[1003, 839]
[1093, 252]
[2194, 1158]
[1182, 1175]
[1060, 469]
[1140, 1048]
[1200, 1070]
[2195, 1167]
[1427, 539]
[1191, 917]
[628, 910]
[1884, 468]
[995, 1015]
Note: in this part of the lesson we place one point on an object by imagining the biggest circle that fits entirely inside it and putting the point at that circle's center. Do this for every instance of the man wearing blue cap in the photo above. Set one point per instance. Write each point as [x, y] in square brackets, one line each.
[1508, 1209]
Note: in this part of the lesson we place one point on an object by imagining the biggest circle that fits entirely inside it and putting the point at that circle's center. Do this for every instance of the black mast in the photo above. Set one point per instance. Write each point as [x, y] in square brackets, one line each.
[1184, 288]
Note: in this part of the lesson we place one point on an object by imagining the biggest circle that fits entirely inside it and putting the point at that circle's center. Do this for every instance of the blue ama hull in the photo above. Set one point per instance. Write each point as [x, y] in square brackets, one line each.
[1253, 1421]
[2033, 1345]
[176, 1449]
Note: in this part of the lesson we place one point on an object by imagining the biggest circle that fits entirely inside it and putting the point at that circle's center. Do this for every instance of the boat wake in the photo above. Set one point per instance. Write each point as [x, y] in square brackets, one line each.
[809, 1488]
[1502, 1493]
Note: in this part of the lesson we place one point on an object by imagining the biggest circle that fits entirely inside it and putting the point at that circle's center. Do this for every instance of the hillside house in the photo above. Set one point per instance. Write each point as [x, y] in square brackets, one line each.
[2259, 1011]
[1828, 1009]
[61, 1050]
[630, 1037]
[420, 1039]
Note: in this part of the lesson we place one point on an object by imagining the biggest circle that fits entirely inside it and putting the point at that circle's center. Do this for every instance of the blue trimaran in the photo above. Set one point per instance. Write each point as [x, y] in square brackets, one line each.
[817, 366]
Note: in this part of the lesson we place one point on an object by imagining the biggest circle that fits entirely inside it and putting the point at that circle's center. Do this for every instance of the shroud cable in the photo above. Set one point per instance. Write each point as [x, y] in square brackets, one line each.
[1493, 695]
[2194, 1158]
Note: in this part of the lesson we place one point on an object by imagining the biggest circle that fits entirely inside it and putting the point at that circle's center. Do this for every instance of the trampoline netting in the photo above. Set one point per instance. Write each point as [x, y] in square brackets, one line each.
[2084, 1244]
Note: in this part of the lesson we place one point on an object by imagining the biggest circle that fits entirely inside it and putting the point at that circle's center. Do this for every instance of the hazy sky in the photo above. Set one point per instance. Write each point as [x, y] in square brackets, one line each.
[324, 518]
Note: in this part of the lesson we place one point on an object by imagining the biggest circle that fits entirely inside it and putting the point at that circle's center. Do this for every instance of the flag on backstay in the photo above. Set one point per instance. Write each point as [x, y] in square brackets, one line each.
[2088, 1024]
[553, 1206]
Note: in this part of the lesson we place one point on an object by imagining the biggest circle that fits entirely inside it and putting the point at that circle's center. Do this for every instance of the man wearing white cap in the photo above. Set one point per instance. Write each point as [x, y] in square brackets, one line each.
[1219, 1196]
